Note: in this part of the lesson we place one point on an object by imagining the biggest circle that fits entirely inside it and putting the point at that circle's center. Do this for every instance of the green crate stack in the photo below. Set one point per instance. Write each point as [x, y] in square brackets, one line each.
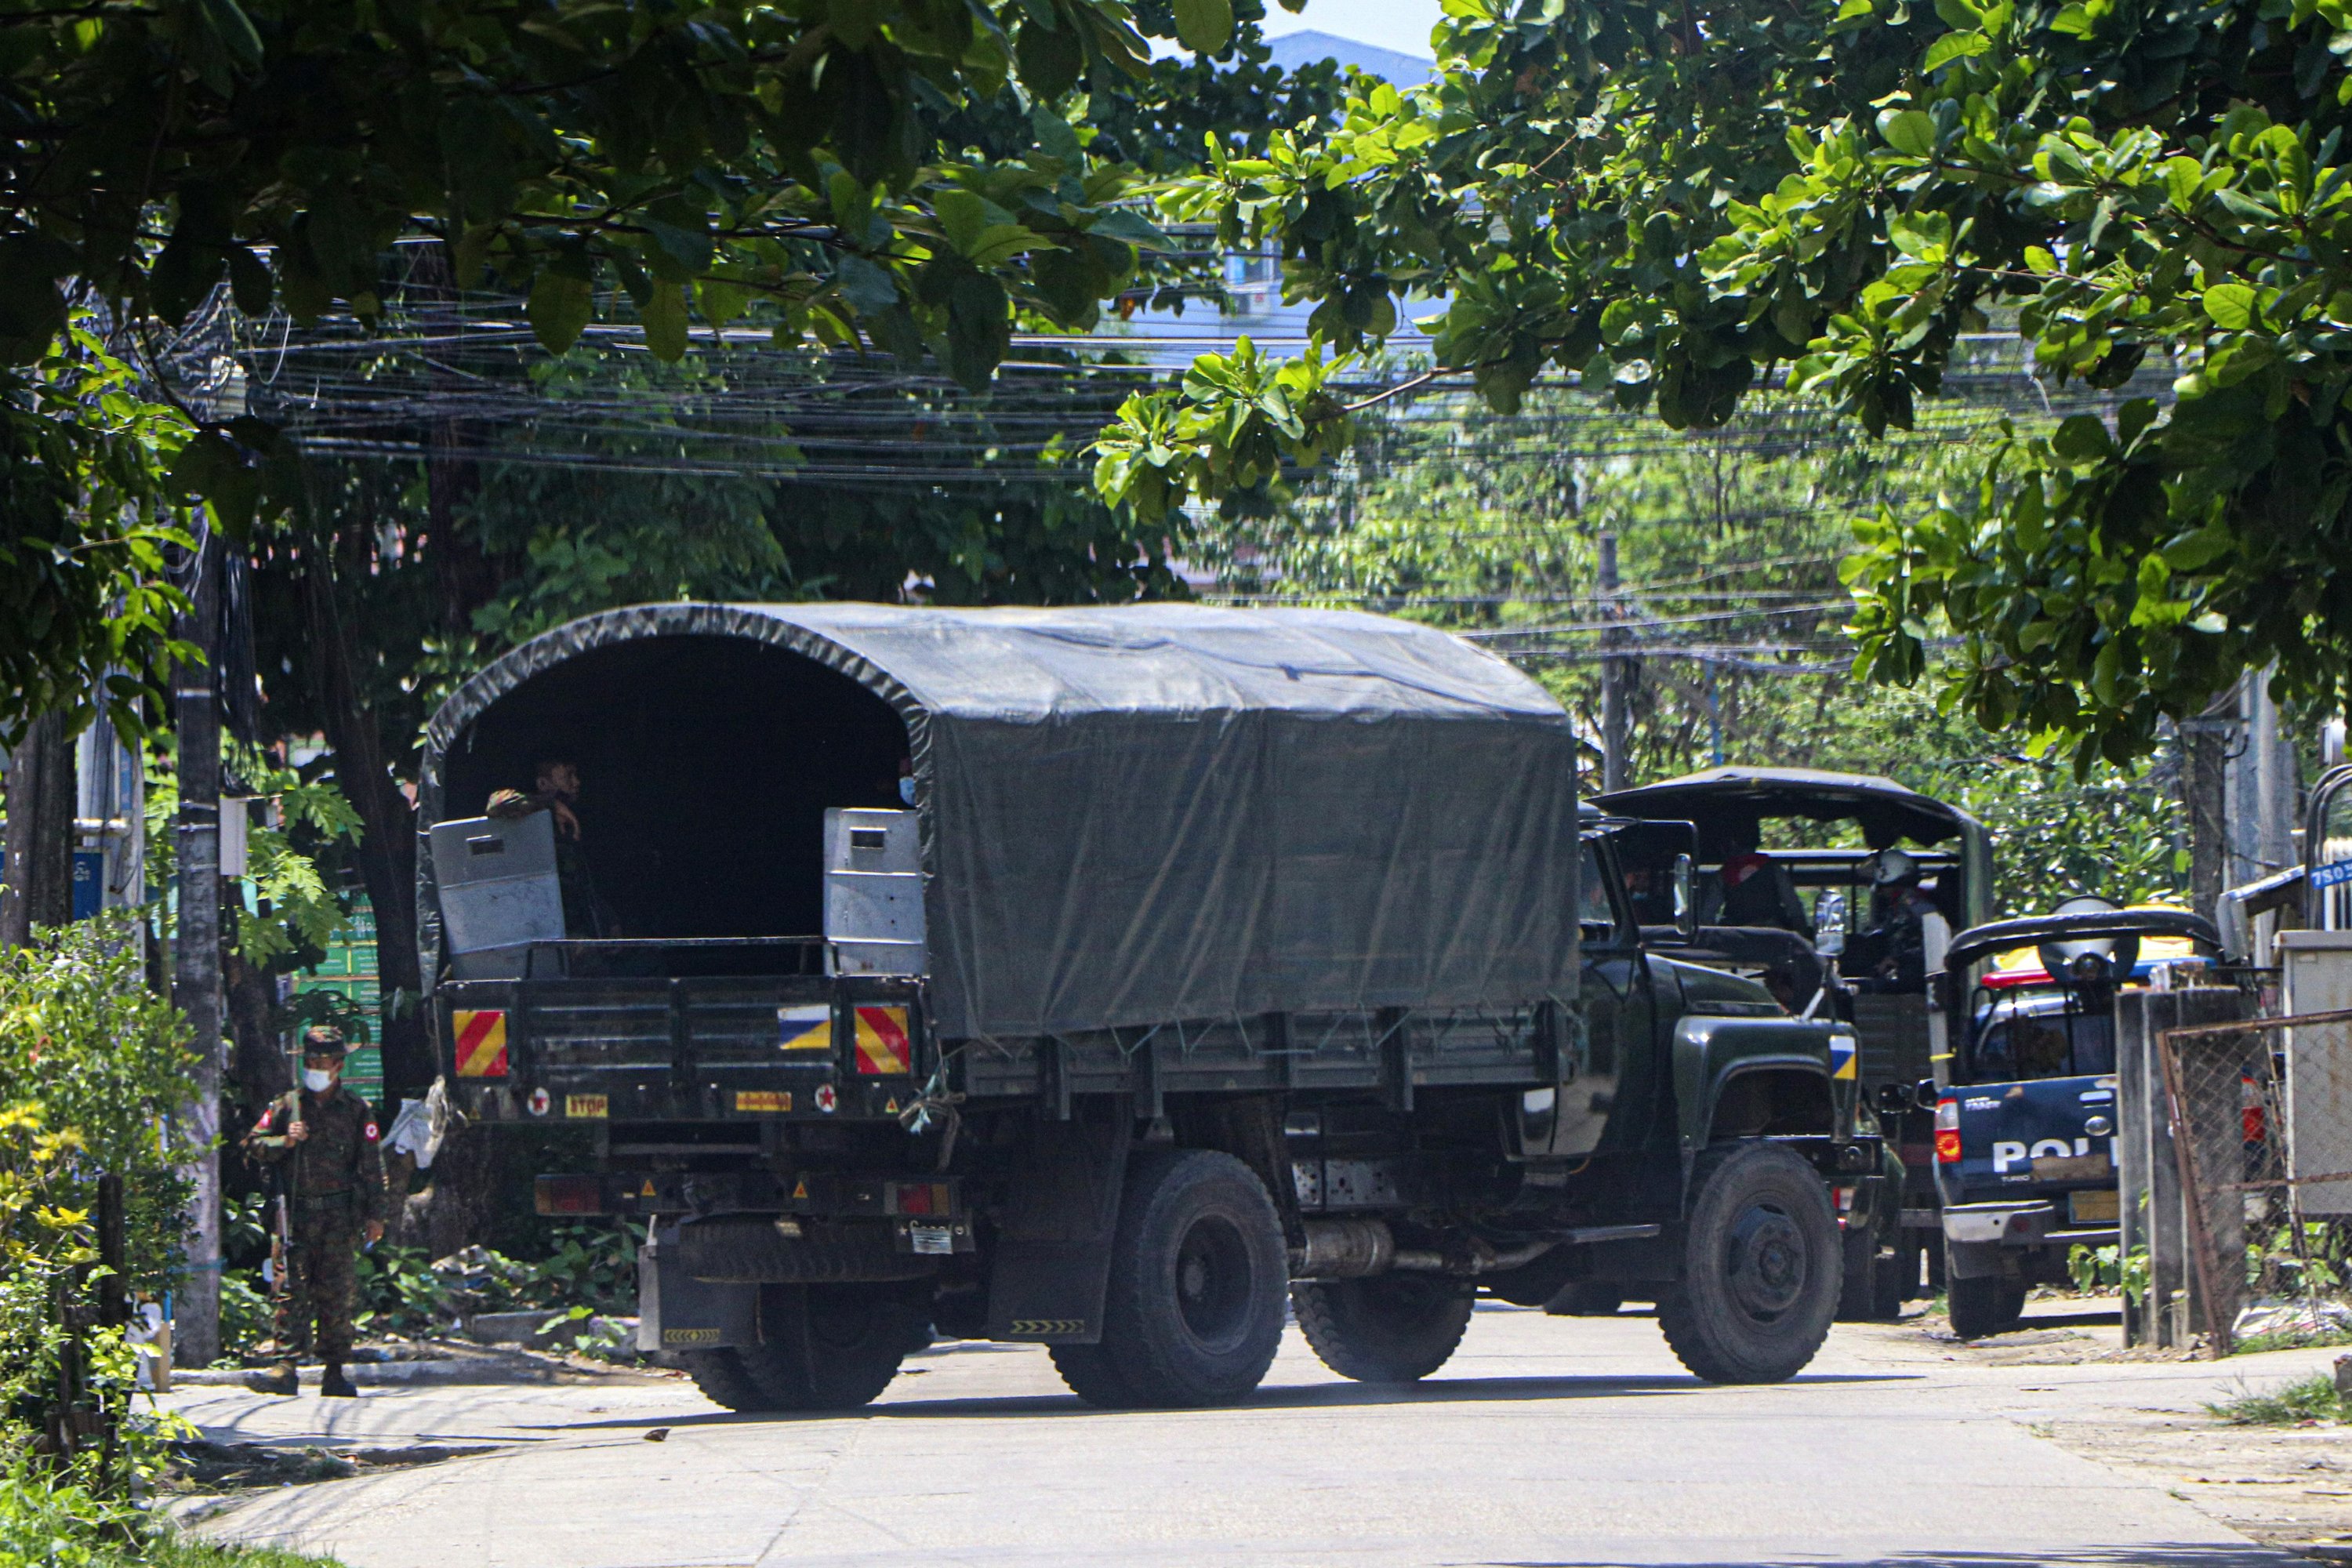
[350, 968]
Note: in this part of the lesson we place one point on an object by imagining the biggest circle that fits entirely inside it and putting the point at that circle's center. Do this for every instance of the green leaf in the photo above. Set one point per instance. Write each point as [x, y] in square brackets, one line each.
[868, 287]
[248, 282]
[1953, 47]
[665, 318]
[2231, 306]
[1909, 130]
[1204, 27]
[559, 308]
[2082, 438]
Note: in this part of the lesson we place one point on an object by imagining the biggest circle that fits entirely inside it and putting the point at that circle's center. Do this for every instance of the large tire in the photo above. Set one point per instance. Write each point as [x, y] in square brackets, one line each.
[828, 1347]
[1392, 1328]
[1198, 1270]
[720, 1375]
[1760, 1268]
[1587, 1299]
[1983, 1305]
[1093, 1376]
[1871, 1291]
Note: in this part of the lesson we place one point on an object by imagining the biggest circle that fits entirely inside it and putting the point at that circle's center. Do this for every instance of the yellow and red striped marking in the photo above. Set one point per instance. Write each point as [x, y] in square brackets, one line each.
[481, 1043]
[882, 1046]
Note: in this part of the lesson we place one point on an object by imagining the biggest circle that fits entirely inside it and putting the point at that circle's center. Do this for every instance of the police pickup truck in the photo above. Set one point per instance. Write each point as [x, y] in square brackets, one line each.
[1203, 959]
[2025, 1106]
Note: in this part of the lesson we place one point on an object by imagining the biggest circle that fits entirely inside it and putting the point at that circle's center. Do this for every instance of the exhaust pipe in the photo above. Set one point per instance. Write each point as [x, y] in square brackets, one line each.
[1356, 1248]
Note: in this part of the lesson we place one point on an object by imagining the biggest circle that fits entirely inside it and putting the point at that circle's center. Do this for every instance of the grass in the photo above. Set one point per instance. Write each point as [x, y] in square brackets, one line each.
[52, 1524]
[186, 1551]
[2289, 1340]
[2311, 1399]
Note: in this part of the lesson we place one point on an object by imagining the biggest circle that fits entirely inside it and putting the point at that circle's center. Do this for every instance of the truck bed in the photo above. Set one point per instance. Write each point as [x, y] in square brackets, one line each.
[757, 1047]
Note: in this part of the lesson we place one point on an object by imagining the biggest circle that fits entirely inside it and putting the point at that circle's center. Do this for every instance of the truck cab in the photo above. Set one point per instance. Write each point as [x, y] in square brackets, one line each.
[2026, 1107]
[1839, 893]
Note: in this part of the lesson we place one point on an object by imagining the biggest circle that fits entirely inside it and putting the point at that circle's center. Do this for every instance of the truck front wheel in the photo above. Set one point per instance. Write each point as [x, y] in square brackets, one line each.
[1193, 1312]
[1392, 1328]
[1760, 1268]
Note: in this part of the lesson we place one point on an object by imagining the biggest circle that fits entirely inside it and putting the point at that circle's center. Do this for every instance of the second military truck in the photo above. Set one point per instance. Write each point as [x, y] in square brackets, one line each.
[1098, 978]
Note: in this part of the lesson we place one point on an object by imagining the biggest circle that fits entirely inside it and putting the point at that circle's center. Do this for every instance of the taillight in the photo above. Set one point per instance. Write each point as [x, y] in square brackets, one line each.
[1947, 1131]
[568, 1195]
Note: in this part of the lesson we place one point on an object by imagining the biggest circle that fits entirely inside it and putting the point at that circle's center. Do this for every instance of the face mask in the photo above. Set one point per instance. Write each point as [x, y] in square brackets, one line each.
[907, 791]
[316, 1082]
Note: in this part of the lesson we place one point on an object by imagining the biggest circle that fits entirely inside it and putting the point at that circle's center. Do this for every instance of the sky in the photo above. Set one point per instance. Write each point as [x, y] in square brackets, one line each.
[1401, 24]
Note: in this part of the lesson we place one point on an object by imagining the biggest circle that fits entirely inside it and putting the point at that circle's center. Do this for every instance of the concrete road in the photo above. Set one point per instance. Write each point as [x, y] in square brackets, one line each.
[1545, 1442]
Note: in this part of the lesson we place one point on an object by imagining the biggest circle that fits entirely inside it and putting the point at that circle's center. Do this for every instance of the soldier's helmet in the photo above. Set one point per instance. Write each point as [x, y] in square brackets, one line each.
[322, 1040]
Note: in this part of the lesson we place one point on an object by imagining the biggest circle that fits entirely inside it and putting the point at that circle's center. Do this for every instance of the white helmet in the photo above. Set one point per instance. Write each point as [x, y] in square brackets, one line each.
[1889, 866]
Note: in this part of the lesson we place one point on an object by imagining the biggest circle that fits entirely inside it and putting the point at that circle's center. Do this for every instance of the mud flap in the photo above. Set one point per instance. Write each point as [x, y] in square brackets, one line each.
[677, 1311]
[1053, 1250]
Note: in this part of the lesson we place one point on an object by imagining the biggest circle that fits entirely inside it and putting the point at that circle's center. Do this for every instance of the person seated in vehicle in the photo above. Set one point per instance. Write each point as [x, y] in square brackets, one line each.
[1895, 940]
[556, 791]
[1754, 890]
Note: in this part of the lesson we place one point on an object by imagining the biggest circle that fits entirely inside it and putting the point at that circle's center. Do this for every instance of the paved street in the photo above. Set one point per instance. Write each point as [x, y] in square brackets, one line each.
[1546, 1441]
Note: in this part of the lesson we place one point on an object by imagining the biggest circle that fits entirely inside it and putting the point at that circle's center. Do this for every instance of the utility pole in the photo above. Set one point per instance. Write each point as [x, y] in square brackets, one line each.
[195, 954]
[1612, 673]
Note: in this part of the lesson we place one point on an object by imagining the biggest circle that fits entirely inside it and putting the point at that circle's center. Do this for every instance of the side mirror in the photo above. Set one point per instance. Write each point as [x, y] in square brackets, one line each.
[1925, 1092]
[1686, 897]
[1829, 923]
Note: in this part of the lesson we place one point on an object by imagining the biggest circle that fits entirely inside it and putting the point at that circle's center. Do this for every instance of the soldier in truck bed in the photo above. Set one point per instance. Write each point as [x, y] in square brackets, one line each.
[556, 791]
[320, 1142]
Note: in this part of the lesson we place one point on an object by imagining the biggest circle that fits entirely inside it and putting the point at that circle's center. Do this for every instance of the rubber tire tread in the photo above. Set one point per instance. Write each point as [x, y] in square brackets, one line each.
[1984, 1305]
[1144, 1336]
[721, 1377]
[1871, 1291]
[1349, 1336]
[1093, 1376]
[1586, 1299]
[800, 1367]
[1698, 1318]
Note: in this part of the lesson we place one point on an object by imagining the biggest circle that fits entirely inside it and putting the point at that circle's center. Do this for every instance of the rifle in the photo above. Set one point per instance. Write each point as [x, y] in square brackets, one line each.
[281, 1203]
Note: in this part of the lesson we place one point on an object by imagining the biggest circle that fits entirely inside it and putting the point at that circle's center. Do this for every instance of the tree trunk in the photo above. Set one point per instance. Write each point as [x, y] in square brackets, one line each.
[387, 850]
[259, 1066]
[38, 889]
[2204, 769]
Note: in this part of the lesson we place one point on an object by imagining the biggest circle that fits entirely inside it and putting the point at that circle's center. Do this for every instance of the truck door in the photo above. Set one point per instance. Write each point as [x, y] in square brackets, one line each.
[1617, 1013]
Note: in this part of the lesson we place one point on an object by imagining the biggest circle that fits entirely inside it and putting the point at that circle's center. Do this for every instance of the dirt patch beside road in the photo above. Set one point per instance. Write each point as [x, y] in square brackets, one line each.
[2288, 1487]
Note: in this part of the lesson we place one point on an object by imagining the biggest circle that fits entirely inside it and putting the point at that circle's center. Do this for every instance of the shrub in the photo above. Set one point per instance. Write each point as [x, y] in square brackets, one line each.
[93, 1069]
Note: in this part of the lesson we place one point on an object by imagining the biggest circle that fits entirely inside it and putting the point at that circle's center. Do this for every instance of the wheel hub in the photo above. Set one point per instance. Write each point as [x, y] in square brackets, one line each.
[1215, 1282]
[1766, 1267]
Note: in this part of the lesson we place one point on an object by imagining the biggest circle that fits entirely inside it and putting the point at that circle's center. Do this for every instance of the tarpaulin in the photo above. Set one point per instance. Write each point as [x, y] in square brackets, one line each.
[1159, 813]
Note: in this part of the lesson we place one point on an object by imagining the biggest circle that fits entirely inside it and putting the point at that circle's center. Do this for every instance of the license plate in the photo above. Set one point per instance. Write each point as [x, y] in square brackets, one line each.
[2086, 1208]
[929, 1239]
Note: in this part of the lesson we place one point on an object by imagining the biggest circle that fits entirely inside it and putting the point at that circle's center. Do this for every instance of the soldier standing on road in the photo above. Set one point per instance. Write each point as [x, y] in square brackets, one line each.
[320, 1139]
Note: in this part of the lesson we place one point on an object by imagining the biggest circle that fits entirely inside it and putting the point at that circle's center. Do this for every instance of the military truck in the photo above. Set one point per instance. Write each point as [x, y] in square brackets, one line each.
[1850, 926]
[1097, 978]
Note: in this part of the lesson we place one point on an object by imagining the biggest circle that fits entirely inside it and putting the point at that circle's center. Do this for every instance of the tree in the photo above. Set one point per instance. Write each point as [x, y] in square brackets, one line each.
[1674, 201]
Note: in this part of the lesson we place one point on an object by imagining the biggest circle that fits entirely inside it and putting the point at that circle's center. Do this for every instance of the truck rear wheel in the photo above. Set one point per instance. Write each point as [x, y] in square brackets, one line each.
[721, 1376]
[1392, 1328]
[1193, 1312]
[1873, 1288]
[825, 1347]
[1761, 1268]
[1984, 1304]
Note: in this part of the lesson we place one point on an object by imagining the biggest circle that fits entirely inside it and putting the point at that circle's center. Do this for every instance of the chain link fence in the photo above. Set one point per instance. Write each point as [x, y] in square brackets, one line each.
[2261, 1113]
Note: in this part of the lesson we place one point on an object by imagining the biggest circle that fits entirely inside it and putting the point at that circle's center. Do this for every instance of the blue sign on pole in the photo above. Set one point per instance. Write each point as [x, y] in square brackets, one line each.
[89, 883]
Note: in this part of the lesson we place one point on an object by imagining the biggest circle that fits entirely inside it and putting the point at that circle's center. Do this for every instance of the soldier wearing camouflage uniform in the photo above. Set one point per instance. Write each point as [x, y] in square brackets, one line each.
[321, 1140]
